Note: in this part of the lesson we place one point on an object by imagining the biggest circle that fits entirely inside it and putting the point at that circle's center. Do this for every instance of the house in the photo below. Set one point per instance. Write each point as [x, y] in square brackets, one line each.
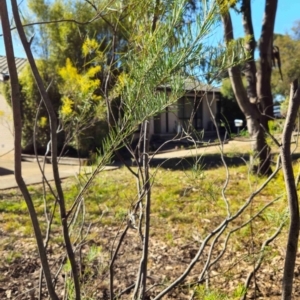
[197, 106]
[6, 126]
[4, 73]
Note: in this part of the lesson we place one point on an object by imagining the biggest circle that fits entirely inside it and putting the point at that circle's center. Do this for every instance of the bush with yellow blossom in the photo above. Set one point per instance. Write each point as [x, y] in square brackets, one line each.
[82, 106]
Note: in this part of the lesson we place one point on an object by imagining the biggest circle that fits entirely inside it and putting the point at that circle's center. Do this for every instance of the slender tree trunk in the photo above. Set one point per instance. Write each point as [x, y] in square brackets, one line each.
[53, 134]
[16, 109]
[293, 235]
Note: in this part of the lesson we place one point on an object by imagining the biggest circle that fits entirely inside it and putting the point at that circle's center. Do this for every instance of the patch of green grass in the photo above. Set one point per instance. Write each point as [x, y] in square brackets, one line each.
[181, 218]
[214, 294]
[209, 294]
[177, 196]
[276, 126]
[186, 205]
[13, 255]
[18, 207]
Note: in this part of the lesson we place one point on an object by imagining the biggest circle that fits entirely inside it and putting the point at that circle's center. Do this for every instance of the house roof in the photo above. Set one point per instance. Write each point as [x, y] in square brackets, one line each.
[20, 63]
[191, 84]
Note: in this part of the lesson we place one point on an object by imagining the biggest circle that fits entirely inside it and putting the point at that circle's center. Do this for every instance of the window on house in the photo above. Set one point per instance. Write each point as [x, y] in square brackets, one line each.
[190, 110]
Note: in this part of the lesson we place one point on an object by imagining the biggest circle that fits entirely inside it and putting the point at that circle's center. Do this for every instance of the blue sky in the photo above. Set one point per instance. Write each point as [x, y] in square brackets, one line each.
[288, 12]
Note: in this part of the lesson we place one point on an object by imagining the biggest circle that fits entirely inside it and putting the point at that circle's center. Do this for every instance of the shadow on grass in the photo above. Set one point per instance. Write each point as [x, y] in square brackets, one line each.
[207, 161]
[295, 156]
[4, 172]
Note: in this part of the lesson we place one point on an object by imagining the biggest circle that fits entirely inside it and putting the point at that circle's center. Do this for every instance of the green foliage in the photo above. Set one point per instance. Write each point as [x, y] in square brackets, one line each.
[82, 108]
[290, 65]
[14, 207]
[209, 294]
[57, 42]
[93, 253]
[239, 292]
[284, 106]
[5, 91]
[244, 133]
[275, 126]
[226, 89]
[30, 105]
[13, 255]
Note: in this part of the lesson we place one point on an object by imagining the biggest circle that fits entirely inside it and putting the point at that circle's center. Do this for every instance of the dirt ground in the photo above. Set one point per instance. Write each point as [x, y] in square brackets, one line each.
[20, 277]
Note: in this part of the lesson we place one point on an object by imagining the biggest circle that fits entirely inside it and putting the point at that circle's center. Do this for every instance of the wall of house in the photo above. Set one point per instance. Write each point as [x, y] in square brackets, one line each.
[158, 124]
[206, 114]
[172, 119]
[162, 123]
[6, 127]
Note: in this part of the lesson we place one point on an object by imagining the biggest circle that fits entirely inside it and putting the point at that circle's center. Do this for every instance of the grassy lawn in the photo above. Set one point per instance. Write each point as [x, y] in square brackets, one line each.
[187, 205]
[188, 202]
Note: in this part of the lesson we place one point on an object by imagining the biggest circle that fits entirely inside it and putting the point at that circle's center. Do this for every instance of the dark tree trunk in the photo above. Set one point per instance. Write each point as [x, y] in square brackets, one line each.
[291, 189]
[250, 66]
[264, 73]
[16, 110]
[249, 108]
[256, 102]
[54, 160]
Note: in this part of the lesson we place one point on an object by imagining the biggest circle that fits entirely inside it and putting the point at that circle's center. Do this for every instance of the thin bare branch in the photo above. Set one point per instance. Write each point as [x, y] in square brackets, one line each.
[53, 128]
[15, 96]
[112, 261]
[293, 235]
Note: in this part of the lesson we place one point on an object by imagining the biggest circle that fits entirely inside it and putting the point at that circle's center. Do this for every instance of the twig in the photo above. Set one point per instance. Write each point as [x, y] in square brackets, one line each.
[293, 235]
[270, 135]
[111, 265]
[124, 291]
[201, 277]
[225, 185]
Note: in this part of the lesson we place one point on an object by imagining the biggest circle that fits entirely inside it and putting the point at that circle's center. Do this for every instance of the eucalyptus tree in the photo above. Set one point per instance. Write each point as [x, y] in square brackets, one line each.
[256, 101]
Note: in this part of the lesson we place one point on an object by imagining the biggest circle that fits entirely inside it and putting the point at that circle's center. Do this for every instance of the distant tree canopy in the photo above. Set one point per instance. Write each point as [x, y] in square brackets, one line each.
[70, 24]
[31, 106]
[75, 36]
[289, 48]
